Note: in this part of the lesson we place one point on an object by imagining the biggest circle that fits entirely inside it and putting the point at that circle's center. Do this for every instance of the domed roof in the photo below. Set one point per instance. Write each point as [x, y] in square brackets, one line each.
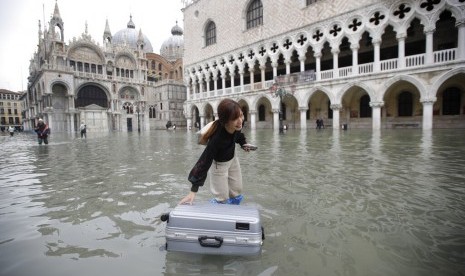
[172, 49]
[129, 37]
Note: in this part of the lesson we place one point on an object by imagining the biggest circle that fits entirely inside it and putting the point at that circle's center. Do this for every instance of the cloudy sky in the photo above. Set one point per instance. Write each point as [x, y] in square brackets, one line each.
[19, 21]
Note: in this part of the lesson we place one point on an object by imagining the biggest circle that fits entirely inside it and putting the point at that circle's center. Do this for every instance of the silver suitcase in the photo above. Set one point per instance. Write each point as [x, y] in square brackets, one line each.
[220, 229]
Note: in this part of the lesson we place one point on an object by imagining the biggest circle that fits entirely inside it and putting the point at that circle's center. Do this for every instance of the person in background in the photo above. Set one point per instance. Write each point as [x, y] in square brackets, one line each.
[11, 130]
[220, 140]
[42, 131]
[83, 129]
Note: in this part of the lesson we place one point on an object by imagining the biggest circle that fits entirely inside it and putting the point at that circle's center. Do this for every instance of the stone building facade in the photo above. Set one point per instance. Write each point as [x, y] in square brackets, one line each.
[110, 87]
[365, 64]
[11, 109]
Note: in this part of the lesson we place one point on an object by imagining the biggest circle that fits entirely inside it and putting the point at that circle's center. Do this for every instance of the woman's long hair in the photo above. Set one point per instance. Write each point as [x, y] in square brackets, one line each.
[228, 110]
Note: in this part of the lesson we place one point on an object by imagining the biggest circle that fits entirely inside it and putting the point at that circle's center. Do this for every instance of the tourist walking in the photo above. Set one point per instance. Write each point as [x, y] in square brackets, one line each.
[220, 140]
[11, 130]
[83, 129]
[42, 131]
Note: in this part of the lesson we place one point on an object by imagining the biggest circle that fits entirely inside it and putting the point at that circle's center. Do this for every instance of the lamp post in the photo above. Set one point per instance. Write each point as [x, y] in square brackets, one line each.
[138, 120]
[278, 91]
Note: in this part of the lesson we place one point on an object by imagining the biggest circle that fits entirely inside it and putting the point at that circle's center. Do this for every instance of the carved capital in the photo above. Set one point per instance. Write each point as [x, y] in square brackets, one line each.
[377, 104]
[336, 106]
[428, 100]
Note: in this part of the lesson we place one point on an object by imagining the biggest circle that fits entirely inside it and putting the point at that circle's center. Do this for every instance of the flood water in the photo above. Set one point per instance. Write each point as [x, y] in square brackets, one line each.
[353, 202]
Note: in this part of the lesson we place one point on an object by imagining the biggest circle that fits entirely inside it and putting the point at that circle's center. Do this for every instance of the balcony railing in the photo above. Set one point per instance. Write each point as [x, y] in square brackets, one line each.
[415, 61]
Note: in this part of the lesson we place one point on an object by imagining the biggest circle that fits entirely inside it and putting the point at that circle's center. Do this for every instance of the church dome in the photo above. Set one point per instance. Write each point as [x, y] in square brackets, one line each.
[172, 49]
[130, 36]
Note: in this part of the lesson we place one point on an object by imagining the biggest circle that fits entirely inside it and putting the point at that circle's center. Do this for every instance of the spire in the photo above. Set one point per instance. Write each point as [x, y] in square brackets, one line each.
[131, 24]
[56, 21]
[40, 30]
[56, 12]
[107, 29]
[107, 37]
[140, 40]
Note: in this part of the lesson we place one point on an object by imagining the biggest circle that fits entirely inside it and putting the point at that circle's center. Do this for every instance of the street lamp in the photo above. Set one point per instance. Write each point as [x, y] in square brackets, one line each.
[278, 91]
[138, 120]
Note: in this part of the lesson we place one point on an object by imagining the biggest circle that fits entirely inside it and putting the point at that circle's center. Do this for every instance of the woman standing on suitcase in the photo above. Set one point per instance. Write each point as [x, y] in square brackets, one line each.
[221, 139]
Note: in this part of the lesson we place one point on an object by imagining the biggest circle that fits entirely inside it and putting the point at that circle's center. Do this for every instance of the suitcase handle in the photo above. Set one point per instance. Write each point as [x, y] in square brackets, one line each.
[218, 241]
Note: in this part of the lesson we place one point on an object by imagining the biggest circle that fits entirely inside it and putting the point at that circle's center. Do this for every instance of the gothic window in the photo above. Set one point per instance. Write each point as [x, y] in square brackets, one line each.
[153, 65]
[451, 101]
[261, 113]
[309, 2]
[255, 14]
[446, 34]
[152, 112]
[365, 109]
[405, 104]
[210, 34]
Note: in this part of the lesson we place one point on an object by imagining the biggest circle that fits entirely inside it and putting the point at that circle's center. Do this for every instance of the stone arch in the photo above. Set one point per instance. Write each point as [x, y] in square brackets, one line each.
[414, 81]
[85, 52]
[396, 88]
[340, 94]
[92, 93]
[129, 93]
[208, 112]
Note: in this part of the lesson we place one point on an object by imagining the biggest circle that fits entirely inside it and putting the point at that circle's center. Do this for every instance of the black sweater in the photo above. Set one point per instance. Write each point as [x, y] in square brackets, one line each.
[220, 148]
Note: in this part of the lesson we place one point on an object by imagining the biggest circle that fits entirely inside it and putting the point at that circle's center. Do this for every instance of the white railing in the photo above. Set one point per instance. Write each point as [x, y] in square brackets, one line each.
[415, 61]
[365, 68]
[228, 90]
[345, 71]
[257, 86]
[328, 74]
[389, 64]
[445, 55]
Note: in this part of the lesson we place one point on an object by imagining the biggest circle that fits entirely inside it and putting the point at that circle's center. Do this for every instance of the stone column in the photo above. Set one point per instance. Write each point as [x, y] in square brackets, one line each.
[401, 58]
[223, 82]
[303, 118]
[288, 66]
[428, 113]
[199, 77]
[302, 63]
[376, 114]
[241, 74]
[318, 65]
[202, 121]
[461, 40]
[215, 84]
[231, 75]
[251, 71]
[354, 48]
[207, 80]
[274, 64]
[262, 69]
[335, 53]
[253, 119]
[336, 108]
[377, 63]
[189, 122]
[276, 119]
[429, 59]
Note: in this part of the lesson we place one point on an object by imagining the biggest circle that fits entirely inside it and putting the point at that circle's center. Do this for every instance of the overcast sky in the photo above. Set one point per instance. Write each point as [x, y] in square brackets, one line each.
[19, 27]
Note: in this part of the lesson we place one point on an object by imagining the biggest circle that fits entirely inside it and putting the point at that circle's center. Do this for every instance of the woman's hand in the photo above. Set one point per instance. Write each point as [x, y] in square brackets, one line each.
[248, 147]
[189, 199]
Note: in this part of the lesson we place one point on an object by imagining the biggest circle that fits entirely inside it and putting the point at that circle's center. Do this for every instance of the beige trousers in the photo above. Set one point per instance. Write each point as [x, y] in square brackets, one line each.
[225, 179]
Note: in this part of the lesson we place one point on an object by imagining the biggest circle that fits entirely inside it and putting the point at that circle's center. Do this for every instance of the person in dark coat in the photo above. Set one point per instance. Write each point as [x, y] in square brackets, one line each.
[42, 131]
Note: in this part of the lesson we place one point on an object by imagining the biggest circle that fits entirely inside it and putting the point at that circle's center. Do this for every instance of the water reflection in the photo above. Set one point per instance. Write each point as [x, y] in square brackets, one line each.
[332, 202]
